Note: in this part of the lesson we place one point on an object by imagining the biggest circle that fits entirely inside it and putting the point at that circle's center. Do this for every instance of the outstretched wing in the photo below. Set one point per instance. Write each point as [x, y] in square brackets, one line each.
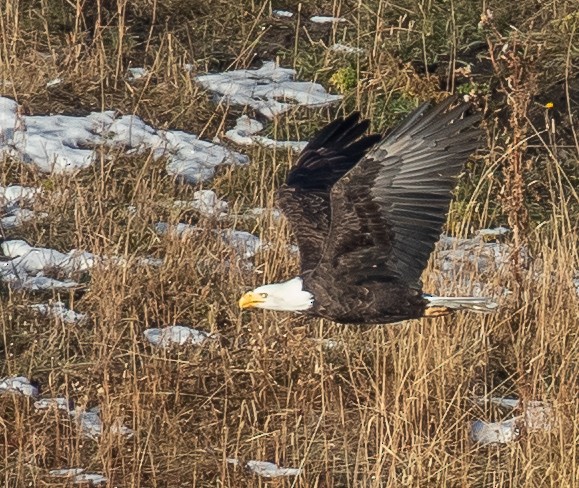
[388, 211]
[305, 196]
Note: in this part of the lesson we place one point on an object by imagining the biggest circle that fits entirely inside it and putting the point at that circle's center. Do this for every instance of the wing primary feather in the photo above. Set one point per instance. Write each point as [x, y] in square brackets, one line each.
[305, 196]
[390, 207]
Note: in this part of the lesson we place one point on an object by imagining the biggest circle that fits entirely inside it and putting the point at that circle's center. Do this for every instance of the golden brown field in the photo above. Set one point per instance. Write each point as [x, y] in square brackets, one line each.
[374, 407]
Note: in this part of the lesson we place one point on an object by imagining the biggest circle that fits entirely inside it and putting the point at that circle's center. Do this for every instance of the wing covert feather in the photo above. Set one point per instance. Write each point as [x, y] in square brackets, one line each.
[388, 210]
[305, 196]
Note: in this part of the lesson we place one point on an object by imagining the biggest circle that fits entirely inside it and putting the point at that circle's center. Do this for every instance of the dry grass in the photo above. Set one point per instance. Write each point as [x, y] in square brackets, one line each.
[390, 406]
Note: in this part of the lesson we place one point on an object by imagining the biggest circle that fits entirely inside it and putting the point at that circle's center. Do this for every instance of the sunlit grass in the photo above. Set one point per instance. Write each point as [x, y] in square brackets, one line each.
[389, 406]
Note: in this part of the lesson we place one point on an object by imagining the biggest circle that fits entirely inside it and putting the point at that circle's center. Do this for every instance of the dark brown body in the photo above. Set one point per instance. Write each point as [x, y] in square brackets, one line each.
[365, 303]
[367, 210]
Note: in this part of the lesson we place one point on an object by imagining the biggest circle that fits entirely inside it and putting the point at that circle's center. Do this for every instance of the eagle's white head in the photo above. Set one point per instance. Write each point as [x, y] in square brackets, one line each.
[288, 296]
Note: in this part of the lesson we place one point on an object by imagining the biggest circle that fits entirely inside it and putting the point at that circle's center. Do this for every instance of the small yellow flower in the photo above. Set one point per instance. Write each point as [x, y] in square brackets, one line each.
[549, 105]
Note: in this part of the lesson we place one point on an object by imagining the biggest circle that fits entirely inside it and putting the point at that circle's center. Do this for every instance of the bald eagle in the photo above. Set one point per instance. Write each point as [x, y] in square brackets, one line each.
[367, 211]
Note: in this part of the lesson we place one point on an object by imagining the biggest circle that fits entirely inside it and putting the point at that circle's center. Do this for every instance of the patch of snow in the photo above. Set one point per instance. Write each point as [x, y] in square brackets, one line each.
[282, 14]
[78, 476]
[34, 260]
[493, 232]
[60, 311]
[244, 130]
[295, 146]
[19, 385]
[91, 478]
[136, 73]
[89, 421]
[458, 261]
[176, 335]
[206, 203]
[18, 216]
[242, 242]
[66, 472]
[12, 198]
[328, 343]
[59, 403]
[14, 194]
[536, 416]
[38, 283]
[266, 469]
[29, 265]
[344, 49]
[91, 424]
[323, 19]
[262, 88]
[495, 432]
[65, 144]
[54, 82]
[195, 160]
[244, 134]
[260, 212]
[455, 254]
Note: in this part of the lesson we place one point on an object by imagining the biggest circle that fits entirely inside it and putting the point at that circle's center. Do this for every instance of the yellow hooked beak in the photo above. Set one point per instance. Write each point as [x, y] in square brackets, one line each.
[250, 299]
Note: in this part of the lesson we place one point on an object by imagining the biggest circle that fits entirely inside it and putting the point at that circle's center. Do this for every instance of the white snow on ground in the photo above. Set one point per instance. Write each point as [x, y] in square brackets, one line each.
[484, 256]
[15, 194]
[19, 216]
[244, 243]
[12, 200]
[206, 202]
[494, 232]
[500, 402]
[329, 344]
[65, 144]
[176, 335]
[58, 403]
[495, 432]
[134, 74]
[78, 476]
[244, 130]
[92, 426]
[244, 134]
[262, 89]
[266, 469]
[535, 416]
[295, 146]
[323, 19]
[89, 421]
[91, 478]
[54, 82]
[458, 261]
[260, 212]
[19, 385]
[29, 265]
[282, 14]
[66, 472]
[344, 49]
[60, 311]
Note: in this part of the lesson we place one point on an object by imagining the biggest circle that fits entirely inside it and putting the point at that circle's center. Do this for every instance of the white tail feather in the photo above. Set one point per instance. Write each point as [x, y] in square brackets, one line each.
[476, 304]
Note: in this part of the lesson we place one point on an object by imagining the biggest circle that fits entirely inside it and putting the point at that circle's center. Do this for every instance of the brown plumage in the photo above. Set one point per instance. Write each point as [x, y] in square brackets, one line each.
[367, 211]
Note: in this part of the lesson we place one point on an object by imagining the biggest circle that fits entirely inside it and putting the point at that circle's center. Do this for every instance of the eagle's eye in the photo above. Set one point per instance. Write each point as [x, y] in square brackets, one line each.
[263, 295]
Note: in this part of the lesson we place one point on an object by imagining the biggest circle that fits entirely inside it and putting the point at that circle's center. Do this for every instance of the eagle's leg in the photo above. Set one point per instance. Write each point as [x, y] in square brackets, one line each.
[436, 311]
